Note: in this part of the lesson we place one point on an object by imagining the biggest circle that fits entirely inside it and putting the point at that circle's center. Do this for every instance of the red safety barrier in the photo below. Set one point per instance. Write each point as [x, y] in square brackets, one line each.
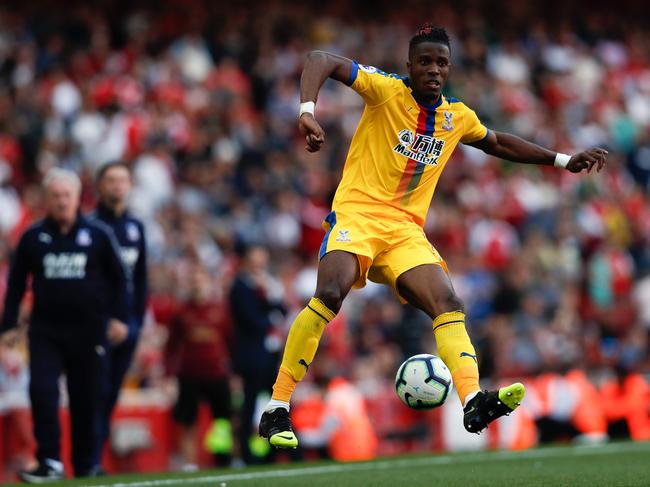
[143, 439]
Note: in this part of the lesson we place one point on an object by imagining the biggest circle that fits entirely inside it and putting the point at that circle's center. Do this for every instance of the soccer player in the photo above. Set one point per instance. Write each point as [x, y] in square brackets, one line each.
[113, 187]
[79, 288]
[405, 137]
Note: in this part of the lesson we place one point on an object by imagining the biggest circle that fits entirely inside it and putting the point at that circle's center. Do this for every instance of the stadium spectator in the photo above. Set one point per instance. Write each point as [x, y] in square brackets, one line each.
[256, 303]
[14, 378]
[79, 289]
[113, 186]
[198, 355]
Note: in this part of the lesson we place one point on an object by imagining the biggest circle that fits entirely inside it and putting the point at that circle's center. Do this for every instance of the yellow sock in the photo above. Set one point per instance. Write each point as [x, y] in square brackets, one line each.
[301, 347]
[457, 352]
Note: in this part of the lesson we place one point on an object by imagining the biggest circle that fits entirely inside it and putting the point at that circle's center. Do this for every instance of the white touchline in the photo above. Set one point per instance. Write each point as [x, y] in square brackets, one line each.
[469, 457]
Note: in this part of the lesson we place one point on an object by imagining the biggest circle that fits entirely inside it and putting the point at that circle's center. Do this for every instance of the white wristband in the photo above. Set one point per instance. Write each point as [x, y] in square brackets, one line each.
[307, 107]
[561, 160]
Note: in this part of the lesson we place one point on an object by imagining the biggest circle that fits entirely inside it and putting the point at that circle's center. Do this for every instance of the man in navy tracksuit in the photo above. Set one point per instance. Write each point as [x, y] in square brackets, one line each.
[113, 186]
[254, 298]
[79, 289]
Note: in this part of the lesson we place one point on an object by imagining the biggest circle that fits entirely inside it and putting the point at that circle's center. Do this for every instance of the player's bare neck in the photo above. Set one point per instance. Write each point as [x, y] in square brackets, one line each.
[425, 101]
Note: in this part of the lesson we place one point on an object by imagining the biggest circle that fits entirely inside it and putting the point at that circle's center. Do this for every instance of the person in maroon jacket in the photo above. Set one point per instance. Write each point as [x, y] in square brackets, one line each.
[198, 354]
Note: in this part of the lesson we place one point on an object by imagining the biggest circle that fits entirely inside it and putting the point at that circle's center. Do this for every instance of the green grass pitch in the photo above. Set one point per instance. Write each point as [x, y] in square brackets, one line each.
[614, 464]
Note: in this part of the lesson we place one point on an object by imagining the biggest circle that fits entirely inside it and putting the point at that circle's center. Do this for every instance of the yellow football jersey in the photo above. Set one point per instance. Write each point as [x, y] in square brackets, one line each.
[400, 147]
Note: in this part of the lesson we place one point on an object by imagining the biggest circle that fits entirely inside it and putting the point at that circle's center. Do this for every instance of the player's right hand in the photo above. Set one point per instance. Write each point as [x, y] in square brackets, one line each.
[314, 134]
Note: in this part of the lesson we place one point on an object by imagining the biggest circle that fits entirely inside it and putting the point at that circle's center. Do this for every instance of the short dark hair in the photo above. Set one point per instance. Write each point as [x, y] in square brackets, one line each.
[429, 33]
[110, 165]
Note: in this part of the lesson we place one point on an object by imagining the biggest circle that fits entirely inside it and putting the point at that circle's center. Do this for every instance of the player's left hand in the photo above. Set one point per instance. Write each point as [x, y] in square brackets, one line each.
[117, 331]
[588, 159]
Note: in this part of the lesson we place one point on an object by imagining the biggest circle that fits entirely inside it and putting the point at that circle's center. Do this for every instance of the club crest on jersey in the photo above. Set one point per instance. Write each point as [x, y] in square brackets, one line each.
[448, 124]
[83, 238]
[419, 147]
[344, 236]
[132, 232]
[46, 238]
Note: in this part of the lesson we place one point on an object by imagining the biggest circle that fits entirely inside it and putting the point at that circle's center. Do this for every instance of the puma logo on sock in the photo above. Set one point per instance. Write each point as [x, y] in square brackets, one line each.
[465, 354]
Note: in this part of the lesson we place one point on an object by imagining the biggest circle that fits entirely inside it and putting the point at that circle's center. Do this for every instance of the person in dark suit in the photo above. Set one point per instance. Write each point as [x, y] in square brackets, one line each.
[79, 288]
[256, 306]
[113, 187]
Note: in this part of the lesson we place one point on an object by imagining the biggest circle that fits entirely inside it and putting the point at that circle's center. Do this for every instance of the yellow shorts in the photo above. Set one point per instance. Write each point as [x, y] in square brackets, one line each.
[385, 247]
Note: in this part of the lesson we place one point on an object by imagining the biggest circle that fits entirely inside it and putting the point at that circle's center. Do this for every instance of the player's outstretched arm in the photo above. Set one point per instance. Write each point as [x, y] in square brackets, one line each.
[516, 149]
[319, 66]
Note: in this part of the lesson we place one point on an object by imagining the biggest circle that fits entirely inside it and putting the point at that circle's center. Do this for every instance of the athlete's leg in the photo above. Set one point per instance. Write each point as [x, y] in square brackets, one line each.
[429, 288]
[337, 272]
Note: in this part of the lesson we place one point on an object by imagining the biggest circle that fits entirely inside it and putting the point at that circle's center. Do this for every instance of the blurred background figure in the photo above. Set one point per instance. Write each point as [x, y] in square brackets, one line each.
[334, 419]
[113, 188]
[624, 398]
[198, 355]
[79, 290]
[566, 407]
[14, 380]
[256, 303]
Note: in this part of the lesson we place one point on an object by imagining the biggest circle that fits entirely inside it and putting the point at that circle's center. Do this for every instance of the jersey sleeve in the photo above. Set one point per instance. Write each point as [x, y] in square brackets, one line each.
[374, 85]
[474, 130]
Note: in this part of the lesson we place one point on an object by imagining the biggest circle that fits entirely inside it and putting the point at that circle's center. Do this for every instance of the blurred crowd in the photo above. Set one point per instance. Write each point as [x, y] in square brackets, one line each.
[200, 98]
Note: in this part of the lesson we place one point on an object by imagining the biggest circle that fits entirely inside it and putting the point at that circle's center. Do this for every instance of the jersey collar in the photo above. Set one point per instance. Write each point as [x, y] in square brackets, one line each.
[430, 107]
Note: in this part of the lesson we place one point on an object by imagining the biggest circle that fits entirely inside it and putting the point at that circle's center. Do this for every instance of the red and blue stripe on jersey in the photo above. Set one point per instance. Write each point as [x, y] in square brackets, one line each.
[414, 169]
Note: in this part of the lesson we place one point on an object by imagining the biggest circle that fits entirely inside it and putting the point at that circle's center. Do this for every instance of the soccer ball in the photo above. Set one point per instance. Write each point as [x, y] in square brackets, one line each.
[423, 382]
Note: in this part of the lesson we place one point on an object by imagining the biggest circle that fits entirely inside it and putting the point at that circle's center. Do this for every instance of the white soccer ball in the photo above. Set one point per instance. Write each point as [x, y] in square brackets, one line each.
[423, 382]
